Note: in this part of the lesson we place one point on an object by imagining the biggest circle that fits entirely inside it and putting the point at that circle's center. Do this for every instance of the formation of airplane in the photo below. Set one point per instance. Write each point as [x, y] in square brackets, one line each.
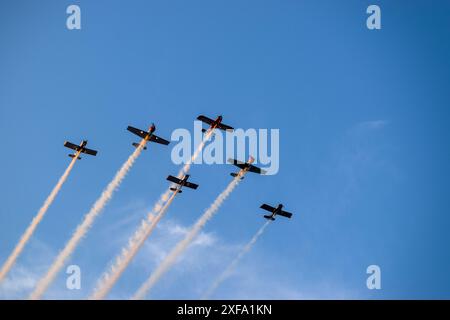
[81, 148]
[278, 211]
[183, 182]
[147, 135]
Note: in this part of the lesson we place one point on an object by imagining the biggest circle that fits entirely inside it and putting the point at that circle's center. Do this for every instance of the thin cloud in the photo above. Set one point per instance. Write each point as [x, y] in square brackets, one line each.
[372, 124]
[201, 263]
[19, 282]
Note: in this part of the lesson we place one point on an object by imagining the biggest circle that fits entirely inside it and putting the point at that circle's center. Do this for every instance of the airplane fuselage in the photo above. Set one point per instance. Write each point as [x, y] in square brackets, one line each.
[183, 182]
[277, 211]
[151, 129]
[216, 122]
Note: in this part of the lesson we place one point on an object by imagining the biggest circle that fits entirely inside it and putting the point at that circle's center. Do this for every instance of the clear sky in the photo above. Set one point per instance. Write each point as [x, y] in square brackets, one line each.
[364, 156]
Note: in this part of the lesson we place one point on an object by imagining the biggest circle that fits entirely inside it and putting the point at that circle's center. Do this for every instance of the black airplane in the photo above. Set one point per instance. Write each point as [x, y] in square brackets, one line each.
[147, 135]
[247, 166]
[214, 124]
[181, 183]
[275, 212]
[81, 148]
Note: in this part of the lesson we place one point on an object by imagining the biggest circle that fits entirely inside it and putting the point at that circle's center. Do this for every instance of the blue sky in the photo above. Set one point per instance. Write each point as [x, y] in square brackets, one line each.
[363, 142]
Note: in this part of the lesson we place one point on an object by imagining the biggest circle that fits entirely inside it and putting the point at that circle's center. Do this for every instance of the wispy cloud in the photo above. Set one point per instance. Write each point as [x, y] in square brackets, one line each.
[19, 283]
[203, 261]
[25, 274]
[372, 124]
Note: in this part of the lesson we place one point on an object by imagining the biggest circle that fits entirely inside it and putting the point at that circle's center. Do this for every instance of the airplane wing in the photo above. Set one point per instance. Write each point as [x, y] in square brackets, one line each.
[137, 132]
[89, 151]
[191, 185]
[285, 214]
[174, 179]
[255, 169]
[157, 139]
[267, 207]
[205, 119]
[238, 163]
[224, 127]
[72, 146]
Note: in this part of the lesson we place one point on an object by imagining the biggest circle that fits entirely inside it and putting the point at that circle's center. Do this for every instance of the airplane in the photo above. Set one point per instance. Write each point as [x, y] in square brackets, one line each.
[147, 135]
[275, 212]
[214, 124]
[247, 166]
[81, 148]
[182, 183]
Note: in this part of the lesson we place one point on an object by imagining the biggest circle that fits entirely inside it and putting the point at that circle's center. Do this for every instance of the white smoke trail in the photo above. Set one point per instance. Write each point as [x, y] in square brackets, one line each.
[172, 257]
[183, 171]
[229, 270]
[36, 220]
[109, 278]
[197, 152]
[83, 228]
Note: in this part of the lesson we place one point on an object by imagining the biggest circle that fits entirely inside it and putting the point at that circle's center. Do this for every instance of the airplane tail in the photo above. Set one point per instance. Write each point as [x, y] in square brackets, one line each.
[235, 175]
[205, 130]
[73, 156]
[175, 189]
[269, 217]
[135, 144]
